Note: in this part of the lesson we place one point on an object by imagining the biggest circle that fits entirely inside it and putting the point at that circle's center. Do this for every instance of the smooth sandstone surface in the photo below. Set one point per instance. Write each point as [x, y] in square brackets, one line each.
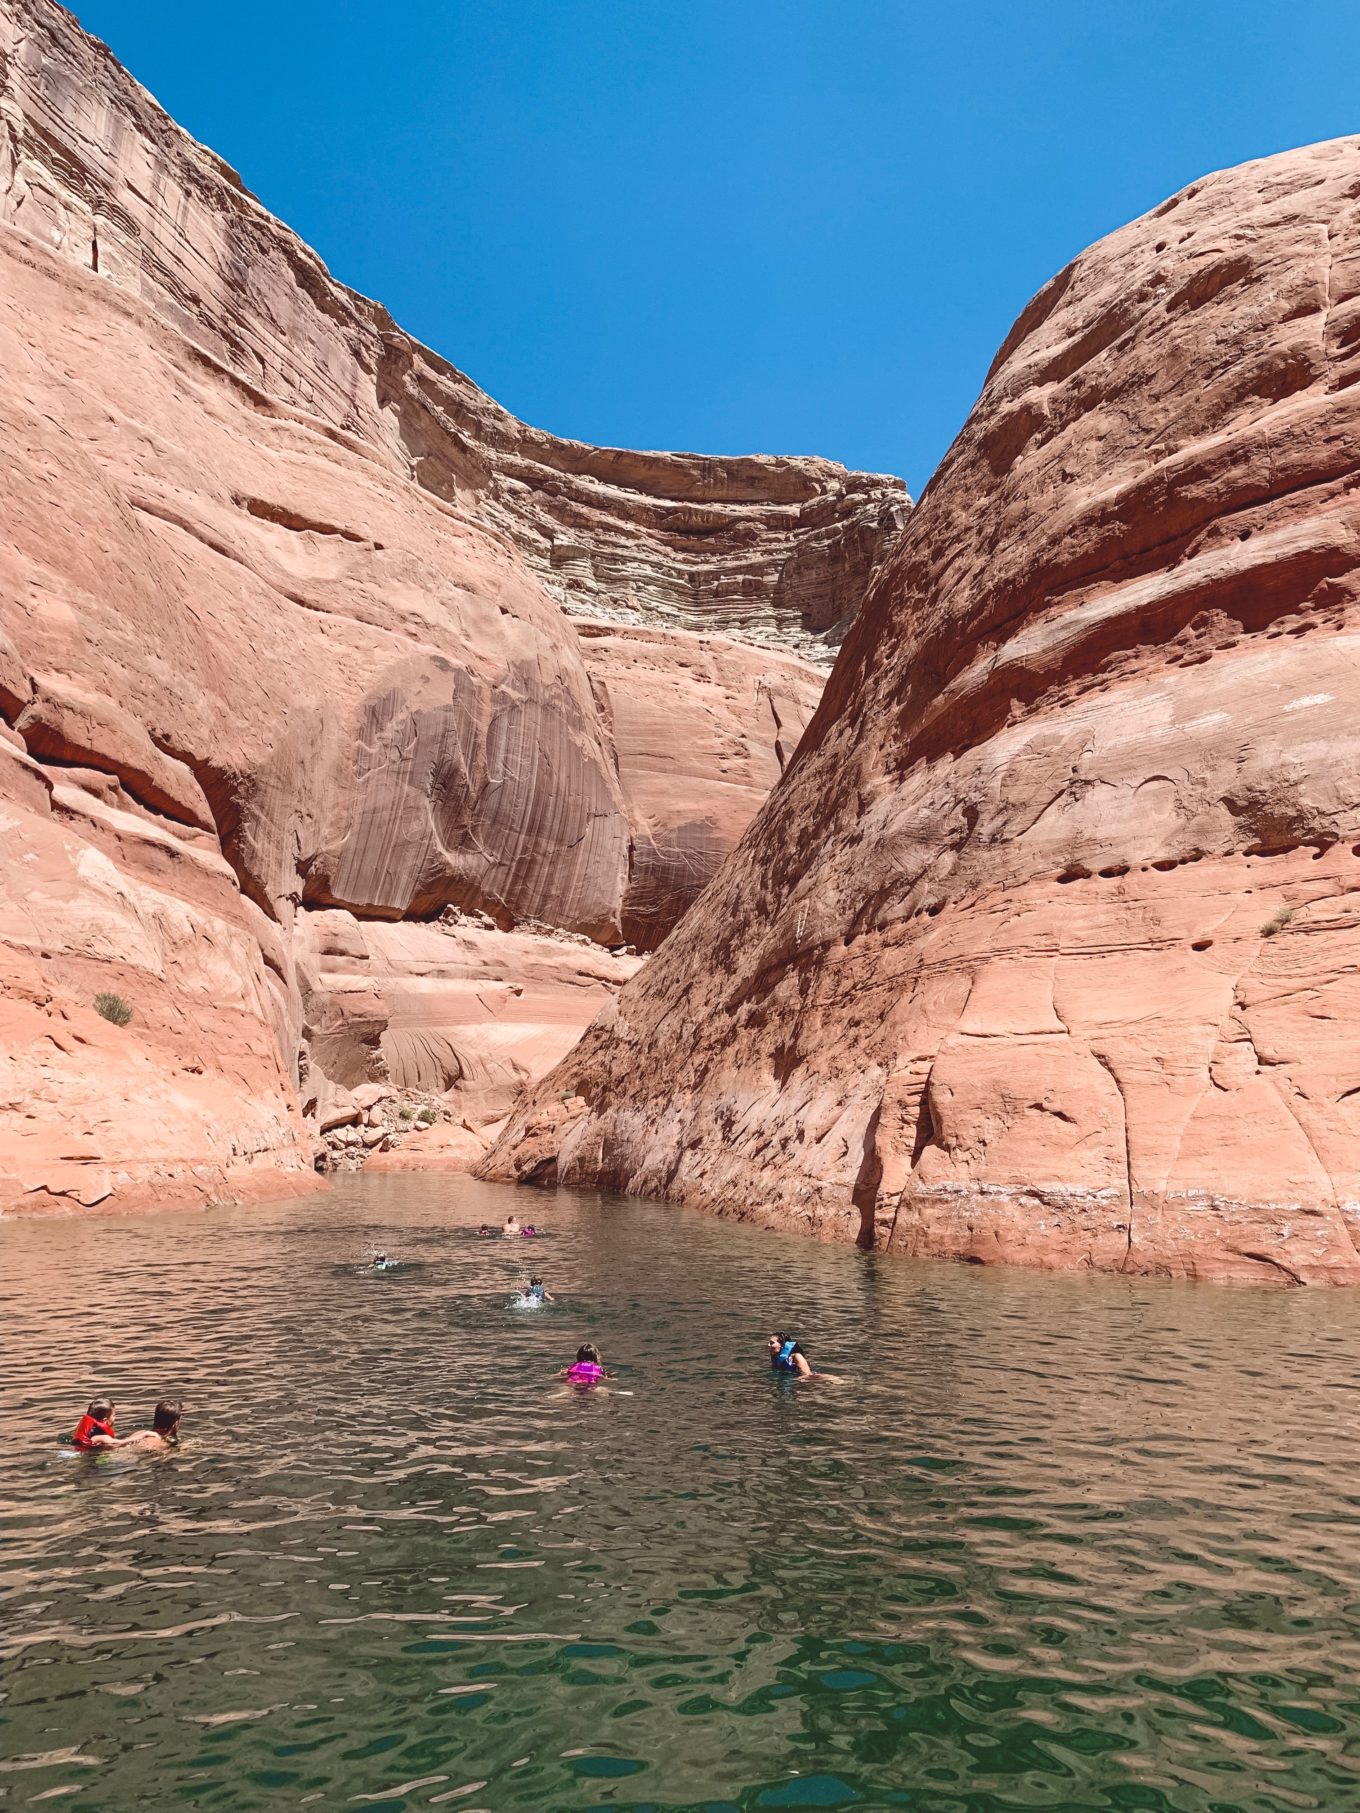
[1047, 946]
[288, 630]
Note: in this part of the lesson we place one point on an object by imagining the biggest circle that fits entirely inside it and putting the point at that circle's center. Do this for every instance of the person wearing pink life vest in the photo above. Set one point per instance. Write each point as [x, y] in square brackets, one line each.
[587, 1369]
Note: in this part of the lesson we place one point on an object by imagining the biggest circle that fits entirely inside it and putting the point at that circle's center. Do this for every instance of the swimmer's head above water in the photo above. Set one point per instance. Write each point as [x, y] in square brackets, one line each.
[95, 1428]
[787, 1356]
[165, 1420]
[588, 1367]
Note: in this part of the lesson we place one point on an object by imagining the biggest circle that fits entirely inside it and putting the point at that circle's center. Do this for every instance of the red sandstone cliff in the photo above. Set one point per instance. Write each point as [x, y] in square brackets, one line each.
[303, 637]
[1047, 947]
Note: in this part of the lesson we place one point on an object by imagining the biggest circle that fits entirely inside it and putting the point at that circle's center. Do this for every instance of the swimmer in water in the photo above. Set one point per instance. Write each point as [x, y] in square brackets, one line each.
[528, 1232]
[588, 1368]
[95, 1428]
[163, 1435]
[383, 1262]
[485, 1232]
[787, 1357]
[510, 1227]
[536, 1291]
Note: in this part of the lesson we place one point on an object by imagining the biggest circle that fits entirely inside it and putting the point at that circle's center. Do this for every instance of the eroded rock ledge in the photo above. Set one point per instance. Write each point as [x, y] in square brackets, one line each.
[1047, 946]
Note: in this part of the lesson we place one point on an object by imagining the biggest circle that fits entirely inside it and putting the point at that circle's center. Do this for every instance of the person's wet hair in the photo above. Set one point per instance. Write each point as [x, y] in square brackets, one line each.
[589, 1355]
[165, 1418]
[101, 1409]
[534, 1281]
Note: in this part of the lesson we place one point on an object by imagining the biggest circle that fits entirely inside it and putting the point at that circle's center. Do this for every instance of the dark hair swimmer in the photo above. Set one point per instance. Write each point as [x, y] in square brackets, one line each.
[588, 1368]
[95, 1428]
[163, 1433]
[787, 1357]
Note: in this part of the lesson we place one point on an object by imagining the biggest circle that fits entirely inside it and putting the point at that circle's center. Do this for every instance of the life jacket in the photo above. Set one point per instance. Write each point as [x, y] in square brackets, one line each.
[783, 1360]
[585, 1372]
[89, 1426]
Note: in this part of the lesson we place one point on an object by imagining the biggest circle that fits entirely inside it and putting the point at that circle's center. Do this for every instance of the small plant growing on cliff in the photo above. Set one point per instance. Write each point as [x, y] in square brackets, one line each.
[113, 1008]
[404, 1114]
[427, 1117]
[1277, 923]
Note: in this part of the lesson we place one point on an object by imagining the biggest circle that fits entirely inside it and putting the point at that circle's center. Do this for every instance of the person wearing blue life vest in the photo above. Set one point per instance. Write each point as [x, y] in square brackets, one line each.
[787, 1357]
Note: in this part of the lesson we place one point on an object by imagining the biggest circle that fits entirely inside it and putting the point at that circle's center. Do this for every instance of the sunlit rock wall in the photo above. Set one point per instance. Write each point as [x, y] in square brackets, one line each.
[1047, 946]
[281, 608]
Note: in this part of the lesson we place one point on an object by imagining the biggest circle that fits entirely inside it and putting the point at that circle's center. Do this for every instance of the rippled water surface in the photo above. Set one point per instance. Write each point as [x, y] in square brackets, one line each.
[1052, 1543]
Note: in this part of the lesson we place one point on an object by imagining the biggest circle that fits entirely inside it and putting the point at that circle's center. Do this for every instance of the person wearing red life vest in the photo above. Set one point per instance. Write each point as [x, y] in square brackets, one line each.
[95, 1428]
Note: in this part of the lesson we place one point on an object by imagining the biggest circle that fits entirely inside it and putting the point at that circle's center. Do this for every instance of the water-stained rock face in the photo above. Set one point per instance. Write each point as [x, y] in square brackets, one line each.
[1047, 947]
[281, 589]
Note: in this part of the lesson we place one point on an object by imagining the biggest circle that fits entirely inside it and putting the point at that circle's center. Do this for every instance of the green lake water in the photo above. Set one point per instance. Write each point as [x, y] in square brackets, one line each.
[1062, 1543]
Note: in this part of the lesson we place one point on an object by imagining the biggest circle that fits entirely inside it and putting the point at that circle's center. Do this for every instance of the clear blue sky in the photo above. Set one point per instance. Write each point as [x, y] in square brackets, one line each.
[795, 226]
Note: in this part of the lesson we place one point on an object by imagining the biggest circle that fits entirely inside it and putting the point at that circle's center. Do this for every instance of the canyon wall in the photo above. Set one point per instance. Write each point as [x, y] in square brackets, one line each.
[337, 705]
[1047, 946]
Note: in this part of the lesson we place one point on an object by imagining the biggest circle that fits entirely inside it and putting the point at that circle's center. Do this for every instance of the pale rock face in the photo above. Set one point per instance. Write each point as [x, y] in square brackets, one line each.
[443, 1010]
[284, 589]
[1047, 946]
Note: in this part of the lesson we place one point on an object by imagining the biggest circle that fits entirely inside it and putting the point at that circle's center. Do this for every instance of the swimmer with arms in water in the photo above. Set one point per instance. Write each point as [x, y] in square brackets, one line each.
[163, 1435]
[510, 1227]
[536, 1290]
[587, 1368]
[94, 1432]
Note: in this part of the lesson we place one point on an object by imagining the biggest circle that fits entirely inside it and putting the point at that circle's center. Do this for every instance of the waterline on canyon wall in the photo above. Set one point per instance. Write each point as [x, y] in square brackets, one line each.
[1055, 1543]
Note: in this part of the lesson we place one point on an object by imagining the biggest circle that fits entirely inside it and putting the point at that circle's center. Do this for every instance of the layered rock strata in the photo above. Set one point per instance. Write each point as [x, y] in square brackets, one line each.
[1047, 946]
[772, 549]
[282, 637]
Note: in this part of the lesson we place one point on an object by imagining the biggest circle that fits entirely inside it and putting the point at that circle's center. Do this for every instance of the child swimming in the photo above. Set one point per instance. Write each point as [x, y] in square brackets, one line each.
[588, 1368]
[787, 1357]
[383, 1262]
[95, 1428]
